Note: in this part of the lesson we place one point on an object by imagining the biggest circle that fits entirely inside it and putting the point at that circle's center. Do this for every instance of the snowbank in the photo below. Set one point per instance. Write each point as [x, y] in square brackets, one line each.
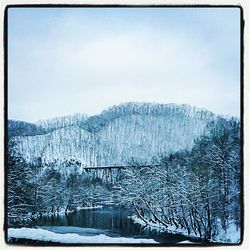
[160, 227]
[231, 236]
[88, 208]
[44, 235]
[185, 242]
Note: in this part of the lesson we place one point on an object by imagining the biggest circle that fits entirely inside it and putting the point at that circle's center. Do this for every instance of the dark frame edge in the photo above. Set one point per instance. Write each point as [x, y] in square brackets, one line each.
[117, 5]
[242, 26]
[5, 45]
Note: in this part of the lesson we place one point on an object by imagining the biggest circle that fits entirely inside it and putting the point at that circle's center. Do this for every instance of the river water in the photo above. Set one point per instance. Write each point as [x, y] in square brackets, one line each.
[111, 221]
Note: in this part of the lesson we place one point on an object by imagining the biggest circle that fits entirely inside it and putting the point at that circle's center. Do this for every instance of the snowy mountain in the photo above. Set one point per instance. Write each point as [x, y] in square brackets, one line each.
[62, 122]
[137, 131]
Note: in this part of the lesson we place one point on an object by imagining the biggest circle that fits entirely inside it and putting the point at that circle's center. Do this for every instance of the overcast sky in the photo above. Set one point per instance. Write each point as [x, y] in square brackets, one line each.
[64, 61]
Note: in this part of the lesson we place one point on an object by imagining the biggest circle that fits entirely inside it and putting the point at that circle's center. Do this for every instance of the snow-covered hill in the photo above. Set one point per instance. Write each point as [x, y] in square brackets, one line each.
[62, 122]
[128, 131]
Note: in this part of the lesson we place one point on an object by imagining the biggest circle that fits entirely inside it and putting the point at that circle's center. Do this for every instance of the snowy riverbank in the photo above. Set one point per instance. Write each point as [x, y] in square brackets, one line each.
[89, 208]
[232, 235]
[70, 238]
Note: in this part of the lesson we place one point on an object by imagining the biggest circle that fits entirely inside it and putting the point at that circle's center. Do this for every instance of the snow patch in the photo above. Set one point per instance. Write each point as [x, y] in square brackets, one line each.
[161, 228]
[88, 208]
[232, 235]
[44, 235]
[185, 242]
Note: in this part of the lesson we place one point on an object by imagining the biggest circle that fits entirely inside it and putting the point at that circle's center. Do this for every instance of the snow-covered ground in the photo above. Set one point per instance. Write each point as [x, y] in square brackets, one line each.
[88, 208]
[231, 236]
[44, 235]
[160, 227]
[185, 242]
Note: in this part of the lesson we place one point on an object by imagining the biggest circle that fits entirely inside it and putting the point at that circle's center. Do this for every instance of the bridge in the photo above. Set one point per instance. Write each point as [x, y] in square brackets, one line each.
[110, 174]
[118, 166]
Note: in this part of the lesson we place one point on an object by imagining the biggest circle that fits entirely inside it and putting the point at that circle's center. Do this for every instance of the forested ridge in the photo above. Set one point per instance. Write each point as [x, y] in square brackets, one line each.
[192, 185]
[131, 130]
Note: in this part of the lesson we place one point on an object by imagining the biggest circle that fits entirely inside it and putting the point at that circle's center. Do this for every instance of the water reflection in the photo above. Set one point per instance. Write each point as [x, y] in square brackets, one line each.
[109, 218]
[111, 221]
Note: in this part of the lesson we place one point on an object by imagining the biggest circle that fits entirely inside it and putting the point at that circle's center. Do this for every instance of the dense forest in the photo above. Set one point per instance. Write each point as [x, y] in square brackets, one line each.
[131, 130]
[183, 167]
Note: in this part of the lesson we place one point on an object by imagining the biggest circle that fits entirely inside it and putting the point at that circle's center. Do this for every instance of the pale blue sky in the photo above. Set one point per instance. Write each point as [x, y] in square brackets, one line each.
[63, 61]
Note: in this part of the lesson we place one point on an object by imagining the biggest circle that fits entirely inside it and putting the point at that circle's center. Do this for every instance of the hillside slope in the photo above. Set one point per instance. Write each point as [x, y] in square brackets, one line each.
[128, 131]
